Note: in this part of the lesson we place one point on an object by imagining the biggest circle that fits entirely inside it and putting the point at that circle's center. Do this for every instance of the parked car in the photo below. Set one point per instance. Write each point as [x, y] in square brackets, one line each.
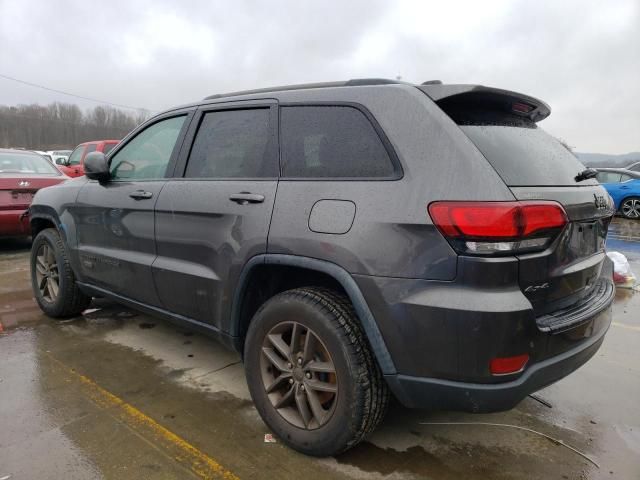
[624, 187]
[59, 156]
[349, 239]
[22, 173]
[74, 165]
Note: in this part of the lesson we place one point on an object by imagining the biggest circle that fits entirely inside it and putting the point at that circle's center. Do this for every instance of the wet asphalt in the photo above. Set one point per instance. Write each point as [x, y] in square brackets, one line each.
[119, 395]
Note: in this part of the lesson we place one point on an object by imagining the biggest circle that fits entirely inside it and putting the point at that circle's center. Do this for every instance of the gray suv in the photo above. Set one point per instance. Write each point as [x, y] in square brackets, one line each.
[351, 240]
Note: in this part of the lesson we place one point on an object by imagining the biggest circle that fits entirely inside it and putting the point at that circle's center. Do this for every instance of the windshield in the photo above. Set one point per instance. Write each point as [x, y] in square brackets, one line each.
[525, 155]
[26, 163]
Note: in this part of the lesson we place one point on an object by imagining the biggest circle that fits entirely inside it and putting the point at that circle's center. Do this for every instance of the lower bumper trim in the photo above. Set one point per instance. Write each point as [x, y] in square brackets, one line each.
[438, 394]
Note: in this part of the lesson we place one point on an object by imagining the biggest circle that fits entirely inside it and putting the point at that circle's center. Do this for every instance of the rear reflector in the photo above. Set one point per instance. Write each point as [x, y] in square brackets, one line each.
[506, 365]
[498, 227]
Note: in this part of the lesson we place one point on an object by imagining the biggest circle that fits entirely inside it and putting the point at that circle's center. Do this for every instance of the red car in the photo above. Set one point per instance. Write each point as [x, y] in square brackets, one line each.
[74, 166]
[22, 174]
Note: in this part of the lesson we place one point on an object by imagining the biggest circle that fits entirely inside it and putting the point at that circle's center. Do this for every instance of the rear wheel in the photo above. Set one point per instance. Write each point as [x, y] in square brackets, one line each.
[52, 278]
[630, 208]
[311, 373]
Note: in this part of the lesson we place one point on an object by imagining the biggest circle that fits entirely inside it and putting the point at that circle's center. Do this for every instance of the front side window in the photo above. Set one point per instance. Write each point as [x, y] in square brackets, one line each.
[233, 144]
[147, 155]
[331, 141]
[91, 148]
[608, 177]
[76, 156]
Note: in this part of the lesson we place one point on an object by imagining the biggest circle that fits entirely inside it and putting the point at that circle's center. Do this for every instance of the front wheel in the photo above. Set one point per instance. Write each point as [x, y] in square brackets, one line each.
[311, 373]
[52, 278]
[630, 208]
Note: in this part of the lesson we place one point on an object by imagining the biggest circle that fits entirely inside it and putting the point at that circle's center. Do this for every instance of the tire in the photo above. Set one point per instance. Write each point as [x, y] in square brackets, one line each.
[630, 208]
[49, 262]
[329, 336]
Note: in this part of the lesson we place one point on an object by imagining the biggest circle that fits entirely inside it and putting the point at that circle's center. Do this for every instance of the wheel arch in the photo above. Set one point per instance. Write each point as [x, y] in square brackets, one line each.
[321, 270]
[43, 217]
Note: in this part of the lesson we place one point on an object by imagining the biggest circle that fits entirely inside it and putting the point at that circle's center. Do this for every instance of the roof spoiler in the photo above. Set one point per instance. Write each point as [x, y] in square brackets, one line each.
[505, 100]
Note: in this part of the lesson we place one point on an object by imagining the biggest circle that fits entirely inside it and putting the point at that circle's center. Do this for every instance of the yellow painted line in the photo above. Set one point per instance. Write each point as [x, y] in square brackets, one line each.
[178, 448]
[624, 325]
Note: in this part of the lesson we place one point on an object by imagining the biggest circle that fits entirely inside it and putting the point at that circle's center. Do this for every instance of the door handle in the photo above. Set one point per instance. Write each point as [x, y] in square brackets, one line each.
[245, 197]
[140, 195]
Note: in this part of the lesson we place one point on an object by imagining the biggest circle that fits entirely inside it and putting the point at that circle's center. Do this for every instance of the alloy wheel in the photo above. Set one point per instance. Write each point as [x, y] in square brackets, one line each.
[47, 276]
[299, 375]
[631, 208]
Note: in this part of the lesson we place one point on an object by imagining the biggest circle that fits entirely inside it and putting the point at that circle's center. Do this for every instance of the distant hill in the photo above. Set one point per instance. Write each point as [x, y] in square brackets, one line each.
[606, 160]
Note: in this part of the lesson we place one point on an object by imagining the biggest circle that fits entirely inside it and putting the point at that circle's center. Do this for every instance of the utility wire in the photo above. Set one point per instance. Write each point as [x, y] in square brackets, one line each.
[72, 94]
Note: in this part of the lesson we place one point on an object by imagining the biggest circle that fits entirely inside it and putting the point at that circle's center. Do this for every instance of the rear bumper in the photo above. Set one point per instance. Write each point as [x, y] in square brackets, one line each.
[442, 336]
[13, 223]
[432, 393]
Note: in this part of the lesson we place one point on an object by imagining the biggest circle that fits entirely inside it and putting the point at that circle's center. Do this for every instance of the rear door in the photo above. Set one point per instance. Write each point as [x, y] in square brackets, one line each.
[215, 214]
[115, 219]
[537, 166]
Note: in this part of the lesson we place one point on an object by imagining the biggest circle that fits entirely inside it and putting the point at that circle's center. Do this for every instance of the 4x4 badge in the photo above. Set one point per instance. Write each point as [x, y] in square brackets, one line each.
[601, 201]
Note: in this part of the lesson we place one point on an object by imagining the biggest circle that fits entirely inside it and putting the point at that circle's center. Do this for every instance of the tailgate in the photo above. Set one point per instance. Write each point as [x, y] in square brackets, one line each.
[570, 268]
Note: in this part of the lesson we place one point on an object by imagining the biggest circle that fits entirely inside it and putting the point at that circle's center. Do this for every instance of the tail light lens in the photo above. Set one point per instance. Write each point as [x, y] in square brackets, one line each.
[490, 228]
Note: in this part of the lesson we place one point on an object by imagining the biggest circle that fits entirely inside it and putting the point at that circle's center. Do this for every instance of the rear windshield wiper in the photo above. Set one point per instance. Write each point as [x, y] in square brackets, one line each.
[586, 174]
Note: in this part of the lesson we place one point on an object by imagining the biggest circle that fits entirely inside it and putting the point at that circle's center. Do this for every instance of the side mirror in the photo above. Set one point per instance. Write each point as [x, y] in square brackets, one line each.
[96, 167]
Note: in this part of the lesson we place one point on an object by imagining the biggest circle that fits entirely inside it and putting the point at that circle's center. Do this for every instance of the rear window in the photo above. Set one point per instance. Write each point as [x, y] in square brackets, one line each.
[108, 147]
[22, 163]
[525, 155]
[331, 142]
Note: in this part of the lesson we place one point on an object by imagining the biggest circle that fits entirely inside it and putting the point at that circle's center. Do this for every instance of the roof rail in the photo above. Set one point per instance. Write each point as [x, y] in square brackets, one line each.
[356, 82]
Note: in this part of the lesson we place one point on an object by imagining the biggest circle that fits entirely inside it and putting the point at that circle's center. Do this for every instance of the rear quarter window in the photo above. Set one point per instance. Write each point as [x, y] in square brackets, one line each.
[331, 142]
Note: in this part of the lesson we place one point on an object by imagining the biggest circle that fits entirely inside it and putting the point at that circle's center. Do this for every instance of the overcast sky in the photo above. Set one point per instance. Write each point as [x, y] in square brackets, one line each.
[582, 57]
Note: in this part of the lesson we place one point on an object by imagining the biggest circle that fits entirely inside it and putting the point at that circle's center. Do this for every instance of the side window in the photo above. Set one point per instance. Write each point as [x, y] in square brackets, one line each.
[91, 148]
[76, 155]
[608, 177]
[625, 178]
[108, 147]
[147, 155]
[331, 141]
[233, 144]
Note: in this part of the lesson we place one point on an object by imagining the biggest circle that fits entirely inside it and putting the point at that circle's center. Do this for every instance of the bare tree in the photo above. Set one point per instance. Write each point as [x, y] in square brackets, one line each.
[63, 125]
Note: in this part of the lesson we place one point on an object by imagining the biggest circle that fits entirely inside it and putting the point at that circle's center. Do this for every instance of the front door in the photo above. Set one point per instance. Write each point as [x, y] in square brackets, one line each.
[115, 219]
[216, 215]
[72, 165]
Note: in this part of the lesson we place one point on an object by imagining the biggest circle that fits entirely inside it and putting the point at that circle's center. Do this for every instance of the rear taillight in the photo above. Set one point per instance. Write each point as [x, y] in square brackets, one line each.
[489, 228]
